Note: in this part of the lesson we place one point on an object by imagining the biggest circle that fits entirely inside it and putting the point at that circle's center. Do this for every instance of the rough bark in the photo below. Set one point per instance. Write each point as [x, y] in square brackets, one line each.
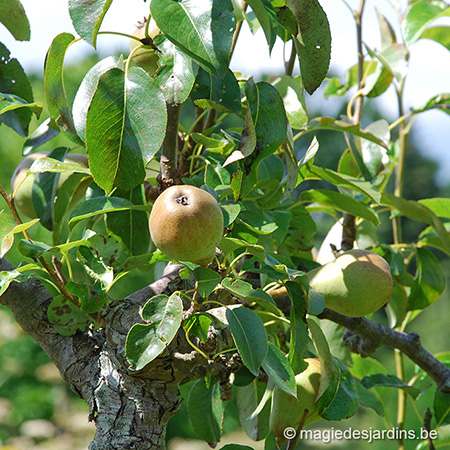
[130, 409]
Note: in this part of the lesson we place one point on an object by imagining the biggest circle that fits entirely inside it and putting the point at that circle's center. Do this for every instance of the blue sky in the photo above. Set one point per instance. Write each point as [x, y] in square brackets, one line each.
[429, 63]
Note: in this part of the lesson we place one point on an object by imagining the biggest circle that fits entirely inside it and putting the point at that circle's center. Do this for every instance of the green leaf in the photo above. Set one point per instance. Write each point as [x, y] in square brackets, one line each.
[267, 17]
[205, 410]
[418, 212]
[438, 34]
[207, 280]
[441, 407]
[290, 89]
[341, 202]
[222, 94]
[55, 94]
[381, 379]
[42, 134]
[248, 398]
[20, 275]
[10, 102]
[345, 403]
[260, 222]
[369, 399]
[8, 228]
[147, 341]
[87, 17]
[177, 72]
[92, 298]
[323, 351]
[312, 41]
[65, 317]
[203, 30]
[277, 367]
[130, 109]
[440, 102]
[135, 124]
[439, 205]
[340, 179]
[51, 165]
[101, 205]
[13, 17]
[44, 187]
[419, 16]
[198, 325]
[87, 89]
[131, 226]
[299, 328]
[32, 249]
[329, 123]
[387, 33]
[230, 212]
[249, 335]
[429, 282]
[15, 82]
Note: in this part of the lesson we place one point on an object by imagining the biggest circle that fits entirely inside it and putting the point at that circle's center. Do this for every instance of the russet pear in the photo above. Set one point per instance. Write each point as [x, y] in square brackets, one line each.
[356, 283]
[287, 411]
[186, 223]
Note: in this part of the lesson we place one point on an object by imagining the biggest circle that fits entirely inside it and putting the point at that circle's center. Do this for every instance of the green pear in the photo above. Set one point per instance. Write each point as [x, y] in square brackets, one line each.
[287, 411]
[356, 283]
[145, 57]
[22, 199]
[186, 223]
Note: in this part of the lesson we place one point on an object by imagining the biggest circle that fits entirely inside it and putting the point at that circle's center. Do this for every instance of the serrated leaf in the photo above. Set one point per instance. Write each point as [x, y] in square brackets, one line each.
[147, 341]
[249, 335]
[87, 89]
[130, 109]
[203, 30]
[65, 317]
[312, 41]
[207, 280]
[277, 367]
[13, 17]
[205, 411]
[55, 94]
[87, 17]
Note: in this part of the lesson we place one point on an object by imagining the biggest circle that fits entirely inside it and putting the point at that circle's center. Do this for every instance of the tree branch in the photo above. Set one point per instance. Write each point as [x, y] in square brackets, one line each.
[366, 336]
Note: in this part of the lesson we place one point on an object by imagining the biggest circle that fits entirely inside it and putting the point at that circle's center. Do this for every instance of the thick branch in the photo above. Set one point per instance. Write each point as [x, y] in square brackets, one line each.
[368, 336]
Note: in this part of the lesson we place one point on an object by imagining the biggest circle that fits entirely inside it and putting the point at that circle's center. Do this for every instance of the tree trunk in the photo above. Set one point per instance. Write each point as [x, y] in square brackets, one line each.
[130, 409]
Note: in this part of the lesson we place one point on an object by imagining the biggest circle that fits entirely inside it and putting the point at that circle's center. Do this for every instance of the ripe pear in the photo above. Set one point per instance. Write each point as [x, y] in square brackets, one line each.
[186, 223]
[356, 283]
[22, 198]
[287, 411]
[146, 57]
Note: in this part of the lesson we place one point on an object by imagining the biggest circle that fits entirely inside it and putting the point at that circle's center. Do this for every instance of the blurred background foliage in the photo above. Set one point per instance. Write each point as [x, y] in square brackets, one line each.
[39, 411]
